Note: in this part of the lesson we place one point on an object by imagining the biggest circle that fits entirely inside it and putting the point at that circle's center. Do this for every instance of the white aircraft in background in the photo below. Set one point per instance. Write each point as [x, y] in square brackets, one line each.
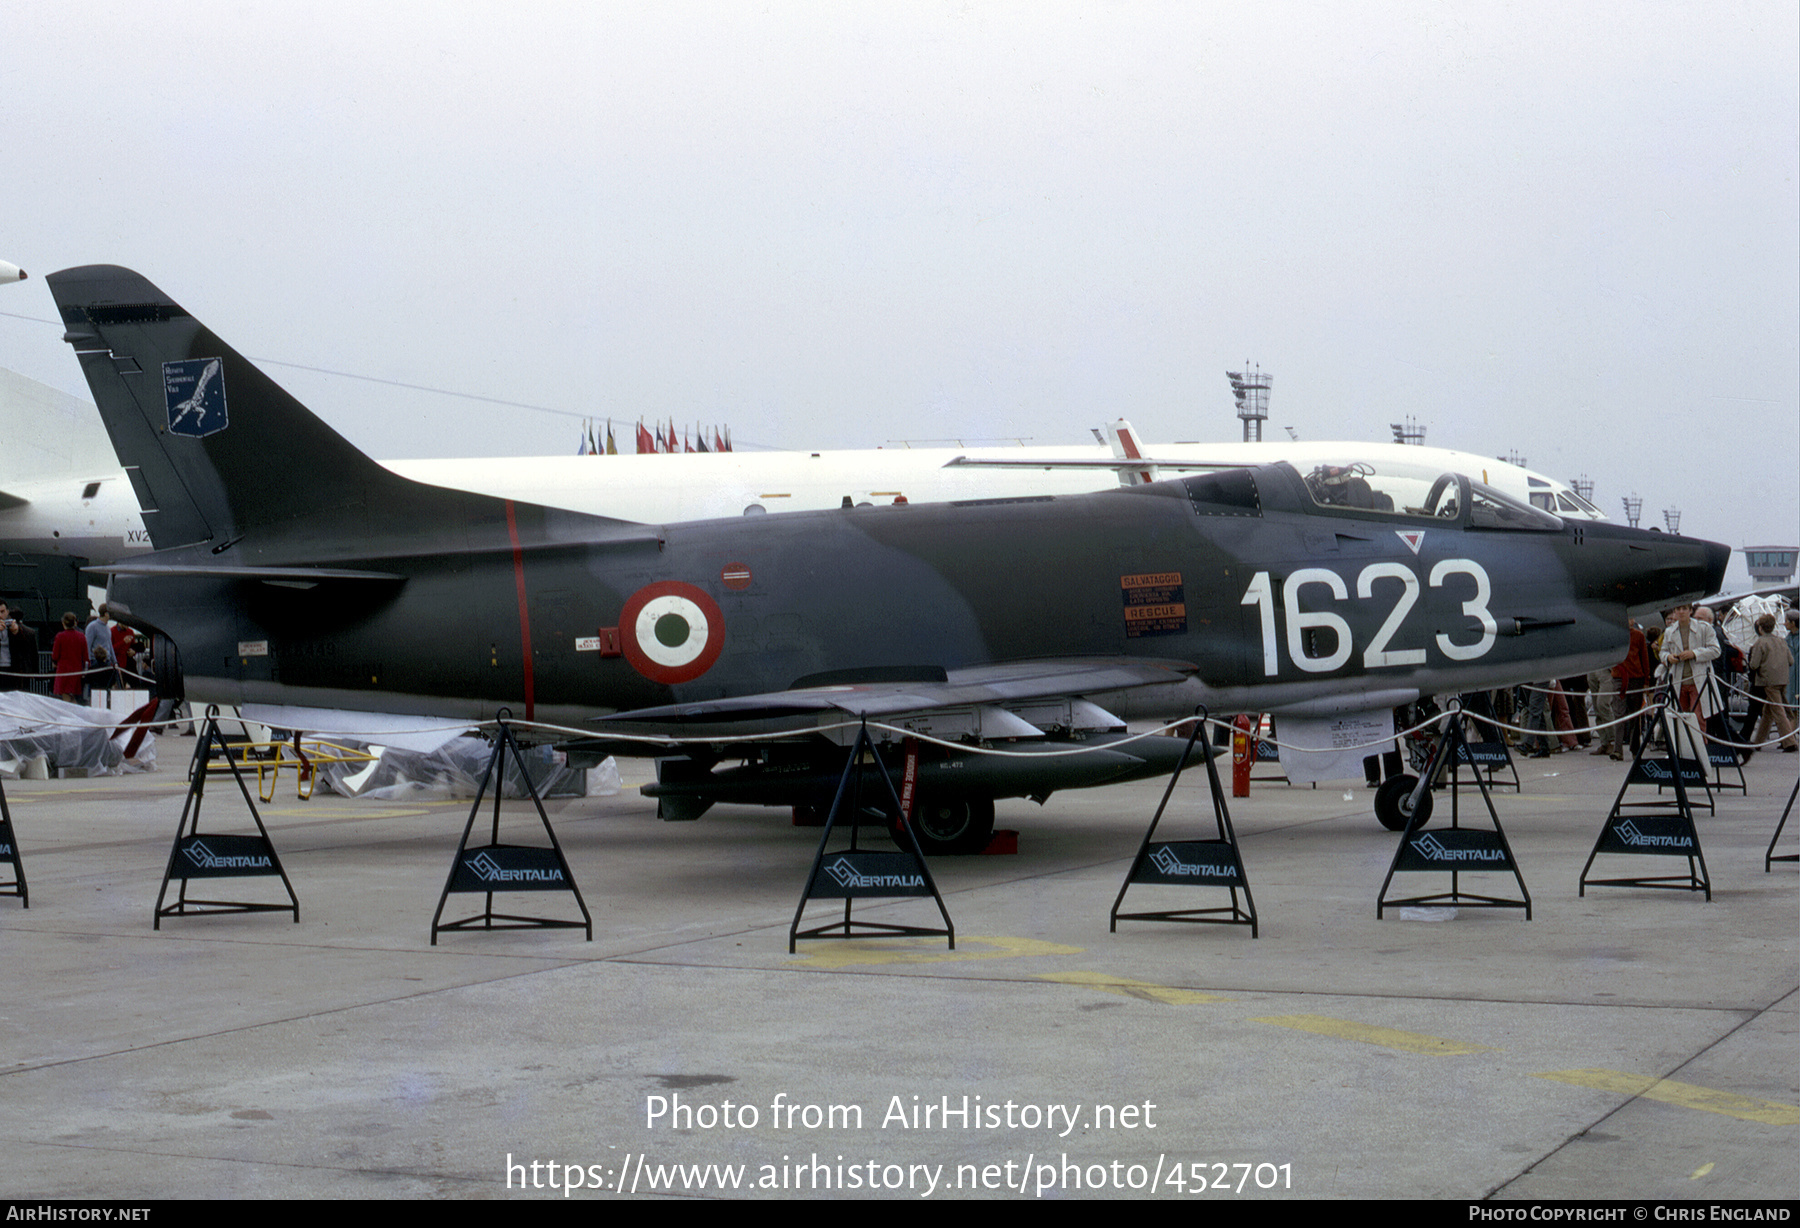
[61, 489]
[63, 493]
[664, 488]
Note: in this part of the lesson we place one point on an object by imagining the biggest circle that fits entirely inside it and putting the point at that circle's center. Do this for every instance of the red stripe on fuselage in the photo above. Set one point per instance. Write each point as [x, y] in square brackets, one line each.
[512, 531]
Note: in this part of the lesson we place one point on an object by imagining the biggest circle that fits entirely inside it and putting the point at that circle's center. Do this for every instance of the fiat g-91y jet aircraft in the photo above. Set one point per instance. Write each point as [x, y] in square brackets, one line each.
[290, 569]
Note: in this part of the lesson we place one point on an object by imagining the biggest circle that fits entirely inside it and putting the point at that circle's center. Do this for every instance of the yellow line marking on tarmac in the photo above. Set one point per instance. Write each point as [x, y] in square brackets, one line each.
[1368, 1034]
[1687, 1095]
[1125, 987]
[94, 784]
[1702, 1171]
[301, 812]
[928, 951]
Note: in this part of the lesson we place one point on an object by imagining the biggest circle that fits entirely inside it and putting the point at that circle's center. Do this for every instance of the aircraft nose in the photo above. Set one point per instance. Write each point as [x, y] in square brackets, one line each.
[1680, 569]
[1646, 571]
[1717, 556]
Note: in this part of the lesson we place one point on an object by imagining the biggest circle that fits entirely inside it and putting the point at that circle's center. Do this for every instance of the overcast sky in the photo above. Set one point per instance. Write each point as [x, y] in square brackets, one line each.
[1567, 232]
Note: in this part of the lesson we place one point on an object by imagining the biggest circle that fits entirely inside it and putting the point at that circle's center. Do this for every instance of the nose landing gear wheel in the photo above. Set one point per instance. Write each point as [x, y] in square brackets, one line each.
[1388, 801]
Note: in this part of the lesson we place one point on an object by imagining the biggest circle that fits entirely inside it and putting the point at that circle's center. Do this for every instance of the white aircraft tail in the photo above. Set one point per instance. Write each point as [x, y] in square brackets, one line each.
[1123, 438]
[49, 434]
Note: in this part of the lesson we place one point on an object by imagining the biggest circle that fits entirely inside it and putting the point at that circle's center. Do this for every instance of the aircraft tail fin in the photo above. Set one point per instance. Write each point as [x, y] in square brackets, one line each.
[217, 451]
[213, 446]
[1123, 438]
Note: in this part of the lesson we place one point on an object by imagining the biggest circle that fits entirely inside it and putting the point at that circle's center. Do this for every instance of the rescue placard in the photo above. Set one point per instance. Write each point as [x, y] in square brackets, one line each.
[1154, 604]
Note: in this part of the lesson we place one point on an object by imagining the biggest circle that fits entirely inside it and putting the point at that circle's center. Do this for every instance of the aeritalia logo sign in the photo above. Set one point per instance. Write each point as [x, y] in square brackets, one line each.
[1165, 860]
[488, 870]
[1630, 835]
[671, 632]
[206, 859]
[1432, 849]
[848, 875]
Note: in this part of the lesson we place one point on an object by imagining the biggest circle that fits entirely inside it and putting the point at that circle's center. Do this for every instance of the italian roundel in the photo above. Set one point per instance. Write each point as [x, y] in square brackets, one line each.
[671, 632]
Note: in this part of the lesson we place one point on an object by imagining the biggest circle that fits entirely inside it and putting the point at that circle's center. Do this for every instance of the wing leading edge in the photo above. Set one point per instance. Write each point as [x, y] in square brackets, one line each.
[993, 685]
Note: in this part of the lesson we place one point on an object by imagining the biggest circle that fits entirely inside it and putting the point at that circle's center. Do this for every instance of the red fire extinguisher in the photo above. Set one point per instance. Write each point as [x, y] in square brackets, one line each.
[1243, 755]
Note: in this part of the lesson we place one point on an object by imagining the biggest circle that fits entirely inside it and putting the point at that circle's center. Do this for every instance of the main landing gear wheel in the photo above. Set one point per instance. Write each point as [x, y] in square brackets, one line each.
[1388, 801]
[953, 824]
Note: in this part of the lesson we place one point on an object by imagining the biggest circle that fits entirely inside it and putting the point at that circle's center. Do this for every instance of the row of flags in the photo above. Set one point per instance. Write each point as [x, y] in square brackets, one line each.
[590, 446]
[655, 439]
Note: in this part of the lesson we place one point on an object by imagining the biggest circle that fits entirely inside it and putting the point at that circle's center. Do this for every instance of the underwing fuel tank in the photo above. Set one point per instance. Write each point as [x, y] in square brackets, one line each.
[1045, 768]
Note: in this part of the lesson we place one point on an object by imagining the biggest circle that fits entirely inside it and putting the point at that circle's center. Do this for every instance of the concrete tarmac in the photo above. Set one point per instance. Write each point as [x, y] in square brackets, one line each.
[1629, 1044]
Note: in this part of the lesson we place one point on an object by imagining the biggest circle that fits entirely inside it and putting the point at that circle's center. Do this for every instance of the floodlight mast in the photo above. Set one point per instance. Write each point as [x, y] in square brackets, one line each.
[1251, 388]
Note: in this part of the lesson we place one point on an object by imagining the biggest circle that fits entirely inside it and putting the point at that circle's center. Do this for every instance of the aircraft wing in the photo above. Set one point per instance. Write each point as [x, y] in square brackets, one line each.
[275, 575]
[1024, 685]
[1115, 464]
[993, 686]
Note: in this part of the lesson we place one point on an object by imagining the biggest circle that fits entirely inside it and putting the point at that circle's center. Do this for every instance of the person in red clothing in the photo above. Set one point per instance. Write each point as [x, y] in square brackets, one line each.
[69, 653]
[122, 636]
[1634, 674]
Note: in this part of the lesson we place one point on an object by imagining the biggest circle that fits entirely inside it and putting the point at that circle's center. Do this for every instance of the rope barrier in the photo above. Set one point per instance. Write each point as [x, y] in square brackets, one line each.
[120, 671]
[376, 736]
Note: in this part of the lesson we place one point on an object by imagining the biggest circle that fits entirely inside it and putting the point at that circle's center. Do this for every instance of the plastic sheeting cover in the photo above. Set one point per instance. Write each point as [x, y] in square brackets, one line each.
[455, 770]
[66, 737]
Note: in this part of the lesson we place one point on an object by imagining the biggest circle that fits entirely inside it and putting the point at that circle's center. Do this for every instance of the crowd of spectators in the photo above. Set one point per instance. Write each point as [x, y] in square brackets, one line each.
[1702, 667]
[106, 655]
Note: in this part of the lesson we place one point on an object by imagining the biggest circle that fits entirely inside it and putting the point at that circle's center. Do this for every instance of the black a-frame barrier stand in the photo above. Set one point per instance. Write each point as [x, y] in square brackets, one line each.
[1722, 756]
[852, 874]
[1192, 863]
[1770, 857]
[10, 855]
[1264, 750]
[1671, 834]
[483, 869]
[1694, 769]
[1457, 849]
[218, 856]
[1725, 758]
[1489, 756]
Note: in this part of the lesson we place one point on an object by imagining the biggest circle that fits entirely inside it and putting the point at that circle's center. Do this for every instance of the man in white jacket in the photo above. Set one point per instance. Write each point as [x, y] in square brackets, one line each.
[1688, 649]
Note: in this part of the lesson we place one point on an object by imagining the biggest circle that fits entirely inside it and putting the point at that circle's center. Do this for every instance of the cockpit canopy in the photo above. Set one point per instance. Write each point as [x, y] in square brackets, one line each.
[1392, 489]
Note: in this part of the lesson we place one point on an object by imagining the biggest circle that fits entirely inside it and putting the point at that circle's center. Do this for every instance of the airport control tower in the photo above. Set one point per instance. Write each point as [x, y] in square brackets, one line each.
[1771, 564]
[1251, 388]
